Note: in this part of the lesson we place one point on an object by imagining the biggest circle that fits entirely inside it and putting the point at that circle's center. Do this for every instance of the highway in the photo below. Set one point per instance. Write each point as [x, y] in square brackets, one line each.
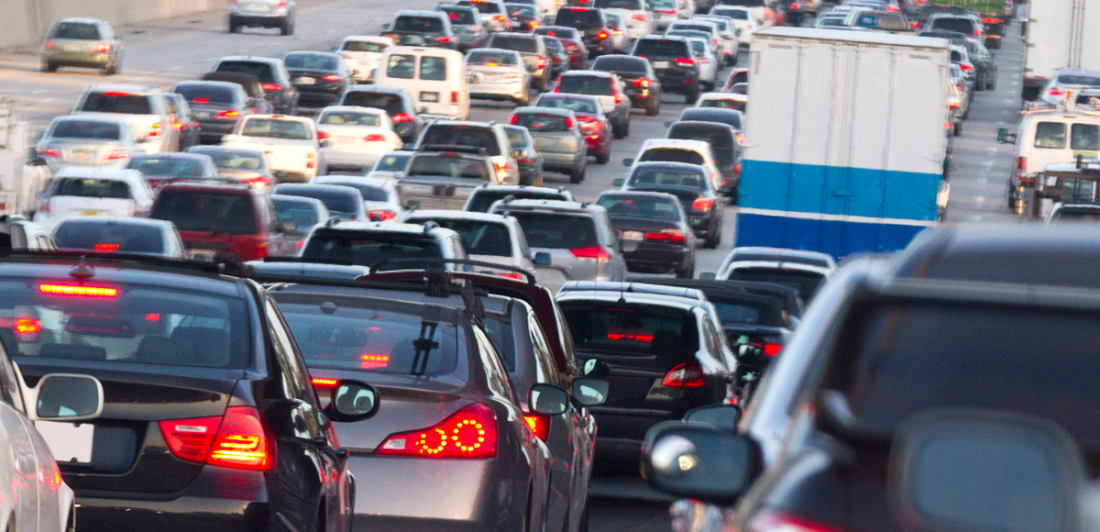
[163, 52]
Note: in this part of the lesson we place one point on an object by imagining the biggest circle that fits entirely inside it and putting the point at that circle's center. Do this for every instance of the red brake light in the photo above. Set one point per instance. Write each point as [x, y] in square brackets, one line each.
[915, 25]
[228, 114]
[702, 204]
[684, 376]
[323, 383]
[236, 440]
[795, 7]
[512, 275]
[1021, 163]
[381, 215]
[643, 82]
[454, 96]
[500, 18]
[401, 117]
[270, 87]
[591, 252]
[154, 130]
[891, 8]
[116, 94]
[375, 137]
[102, 48]
[641, 16]
[966, 67]
[1055, 92]
[49, 44]
[106, 247]
[190, 439]
[51, 152]
[117, 154]
[977, 32]
[601, 35]
[443, 39]
[569, 122]
[201, 100]
[541, 62]
[990, 21]
[685, 61]
[322, 135]
[332, 77]
[469, 433]
[77, 290]
[539, 425]
[772, 349]
[737, 169]
[667, 235]
[513, 120]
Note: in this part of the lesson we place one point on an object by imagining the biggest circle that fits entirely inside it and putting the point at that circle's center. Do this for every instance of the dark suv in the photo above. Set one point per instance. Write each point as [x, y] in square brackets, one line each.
[673, 62]
[591, 24]
[273, 77]
[207, 400]
[422, 28]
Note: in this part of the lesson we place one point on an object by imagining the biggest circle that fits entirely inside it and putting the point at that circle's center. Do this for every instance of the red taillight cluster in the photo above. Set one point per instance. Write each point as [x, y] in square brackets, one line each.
[375, 137]
[454, 96]
[641, 82]
[702, 204]
[592, 252]
[332, 78]
[469, 433]
[512, 275]
[236, 440]
[602, 35]
[323, 135]
[684, 376]
[966, 67]
[539, 425]
[49, 44]
[674, 236]
[1055, 91]
[271, 87]
[568, 122]
[401, 117]
[118, 154]
[541, 63]
[228, 114]
[102, 48]
[154, 130]
[52, 153]
[686, 61]
[381, 215]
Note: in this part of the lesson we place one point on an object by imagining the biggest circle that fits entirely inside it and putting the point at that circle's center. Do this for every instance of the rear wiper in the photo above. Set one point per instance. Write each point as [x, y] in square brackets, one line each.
[424, 345]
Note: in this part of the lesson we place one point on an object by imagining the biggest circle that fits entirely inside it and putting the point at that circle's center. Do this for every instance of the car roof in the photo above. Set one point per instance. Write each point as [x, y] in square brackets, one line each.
[140, 90]
[210, 186]
[138, 270]
[383, 227]
[208, 83]
[456, 215]
[368, 38]
[284, 188]
[424, 49]
[597, 73]
[356, 179]
[99, 173]
[467, 123]
[638, 193]
[297, 199]
[118, 220]
[760, 253]
[545, 111]
[1078, 72]
[86, 118]
[524, 188]
[82, 20]
[712, 289]
[542, 205]
[289, 118]
[203, 149]
[723, 96]
[356, 108]
[683, 144]
[703, 124]
[172, 155]
[632, 293]
[296, 268]
[513, 34]
[312, 52]
[663, 164]
[247, 58]
[377, 88]
[716, 112]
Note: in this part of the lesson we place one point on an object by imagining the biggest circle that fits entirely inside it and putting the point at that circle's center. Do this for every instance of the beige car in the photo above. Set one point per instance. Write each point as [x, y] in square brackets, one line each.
[82, 42]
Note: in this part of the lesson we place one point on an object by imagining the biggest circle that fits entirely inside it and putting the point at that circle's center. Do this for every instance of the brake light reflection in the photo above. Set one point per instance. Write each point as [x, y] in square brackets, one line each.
[27, 325]
[644, 338]
[374, 361]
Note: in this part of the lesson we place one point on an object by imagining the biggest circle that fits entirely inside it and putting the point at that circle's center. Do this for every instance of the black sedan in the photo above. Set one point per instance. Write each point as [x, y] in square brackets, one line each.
[689, 183]
[320, 77]
[528, 156]
[642, 86]
[653, 231]
[216, 105]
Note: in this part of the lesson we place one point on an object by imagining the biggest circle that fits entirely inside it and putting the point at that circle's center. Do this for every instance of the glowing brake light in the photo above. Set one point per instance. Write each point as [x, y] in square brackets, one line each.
[228, 114]
[102, 48]
[500, 18]
[591, 252]
[201, 100]
[539, 425]
[469, 433]
[702, 204]
[687, 61]
[270, 87]
[116, 94]
[236, 440]
[772, 349]
[77, 290]
[512, 275]
[892, 8]
[49, 44]
[1055, 92]
[154, 130]
[684, 376]
[667, 235]
[966, 67]
[401, 117]
[381, 215]
[643, 82]
[106, 247]
[332, 77]
[601, 35]
[323, 383]
[375, 137]
[541, 62]
[641, 16]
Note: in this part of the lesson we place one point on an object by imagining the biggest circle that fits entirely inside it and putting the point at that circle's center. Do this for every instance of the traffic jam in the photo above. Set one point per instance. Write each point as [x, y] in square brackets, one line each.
[419, 272]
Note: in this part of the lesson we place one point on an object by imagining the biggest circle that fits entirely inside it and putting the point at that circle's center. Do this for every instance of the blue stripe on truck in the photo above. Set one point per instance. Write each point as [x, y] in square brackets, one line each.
[834, 190]
[835, 236]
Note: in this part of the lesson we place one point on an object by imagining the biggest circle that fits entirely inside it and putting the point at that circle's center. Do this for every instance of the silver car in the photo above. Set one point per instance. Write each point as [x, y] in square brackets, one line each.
[497, 74]
[558, 138]
[82, 42]
[141, 236]
[263, 14]
[571, 241]
[443, 180]
[486, 237]
[86, 141]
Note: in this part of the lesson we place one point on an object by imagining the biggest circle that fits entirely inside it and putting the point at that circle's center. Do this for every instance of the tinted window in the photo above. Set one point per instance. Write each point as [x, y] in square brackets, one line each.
[634, 5]
[368, 192]
[128, 323]
[76, 31]
[582, 19]
[305, 216]
[79, 129]
[170, 167]
[745, 3]
[522, 11]
[356, 336]
[516, 137]
[92, 188]
[1068, 215]
[557, 231]
[664, 176]
[391, 103]
[276, 129]
[620, 64]
[363, 46]
[479, 238]
[632, 330]
[672, 155]
[1050, 135]
[806, 283]
[448, 166]
[553, 44]
[484, 7]
[734, 311]
[477, 137]
[120, 237]
[731, 119]
[1085, 137]
[207, 94]
[401, 66]
[661, 48]
[484, 199]
[418, 24]
[519, 44]
[542, 123]
[590, 85]
[393, 163]
[234, 160]
[721, 103]
[491, 58]
[559, 32]
[577, 105]
[349, 118]
[260, 70]
[200, 210]
[1078, 79]
[311, 61]
[460, 16]
[961, 25]
[337, 202]
[499, 329]
[636, 206]
[346, 247]
[433, 68]
[117, 102]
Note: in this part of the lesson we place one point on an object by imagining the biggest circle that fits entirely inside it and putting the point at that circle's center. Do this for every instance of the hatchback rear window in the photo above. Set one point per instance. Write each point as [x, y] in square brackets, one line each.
[92, 188]
[80, 129]
[335, 202]
[672, 155]
[460, 16]
[363, 46]
[477, 137]
[121, 323]
[661, 48]
[590, 85]
[670, 177]
[362, 336]
[263, 71]
[203, 210]
[805, 282]
[418, 24]
[557, 231]
[391, 103]
[167, 167]
[120, 237]
[541, 123]
[478, 237]
[312, 61]
[276, 129]
[117, 102]
[448, 166]
[305, 216]
[577, 105]
[582, 19]
[633, 5]
[734, 311]
[76, 31]
[348, 247]
[631, 330]
[620, 64]
[202, 94]
[519, 44]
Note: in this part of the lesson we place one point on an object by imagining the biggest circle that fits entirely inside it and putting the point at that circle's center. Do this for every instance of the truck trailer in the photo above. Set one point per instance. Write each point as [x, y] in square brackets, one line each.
[1060, 34]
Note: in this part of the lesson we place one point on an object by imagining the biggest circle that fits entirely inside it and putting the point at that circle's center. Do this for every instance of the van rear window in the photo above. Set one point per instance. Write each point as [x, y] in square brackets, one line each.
[401, 66]
[1051, 135]
[418, 24]
[347, 247]
[433, 68]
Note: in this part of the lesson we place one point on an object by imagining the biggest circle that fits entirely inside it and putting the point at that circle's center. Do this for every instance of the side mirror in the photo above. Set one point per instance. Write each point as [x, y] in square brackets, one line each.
[725, 417]
[412, 205]
[698, 461]
[547, 399]
[707, 276]
[67, 397]
[352, 401]
[619, 182]
[590, 392]
[628, 162]
[542, 258]
[286, 226]
[596, 368]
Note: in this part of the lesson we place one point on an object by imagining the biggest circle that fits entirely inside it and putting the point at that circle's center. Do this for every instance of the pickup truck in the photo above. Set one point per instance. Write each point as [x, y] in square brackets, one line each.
[290, 143]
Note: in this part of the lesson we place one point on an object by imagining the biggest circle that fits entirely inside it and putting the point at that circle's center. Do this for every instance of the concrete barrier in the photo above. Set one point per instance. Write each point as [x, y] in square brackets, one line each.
[25, 22]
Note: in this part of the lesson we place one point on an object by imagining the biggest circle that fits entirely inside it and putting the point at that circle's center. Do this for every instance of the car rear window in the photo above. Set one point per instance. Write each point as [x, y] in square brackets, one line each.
[305, 216]
[541, 123]
[462, 135]
[368, 192]
[620, 64]
[460, 16]
[582, 19]
[363, 46]
[557, 231]
[448, 166]
[335, 202]
[366, 249]
[590, 85]
[661, 48]
[167, 166]
[201, 94]
[478, 237]
[522, 10]
[896, 360]
[349, 118]
[517, 43]
[311, 61]
[632, 330]
[654, 175]
[640, 206]
[483, 200]
[276, 129]
[633, 5]
[805, 282]
[92, 188]
[234, 160]
[491, 58]
[368, 336]
[120, 237]
[1050, 135]
[418, 24]
[516, 137]
[76, 31]
[391, 103]
[484, 7]
[739, 311]
[577, 105]
[672, 155]
[203, 210]
[392, 163]
[744, 3]
[558, 32]
[959, 24]
[722, 103]
[80, 129]
[736, 14]
[690, 27]
[1078, 79]
[263, 71]
[122, 323]
[120, 102]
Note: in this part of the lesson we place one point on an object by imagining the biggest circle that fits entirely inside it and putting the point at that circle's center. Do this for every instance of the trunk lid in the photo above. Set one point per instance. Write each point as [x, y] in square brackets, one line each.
[438, 192]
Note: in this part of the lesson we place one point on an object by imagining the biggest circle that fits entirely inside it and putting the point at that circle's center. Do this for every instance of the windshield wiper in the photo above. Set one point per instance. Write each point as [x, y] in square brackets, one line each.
[424, 345]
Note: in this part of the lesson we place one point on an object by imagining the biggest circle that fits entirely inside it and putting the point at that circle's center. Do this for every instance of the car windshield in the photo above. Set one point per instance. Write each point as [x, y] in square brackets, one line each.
[366, 249]
[392, 162]
[168, 167]
[590, 85]
[87, 187]
[661, 48]
[484, 199]
[201, 94]
[76, 31]
[392, 104]
[620, 64]
[672, 155]
[517, 43]
[418, 24]
[632, 330]
[542, 123]
[122, 237]
[462, 135]
[660, 175]
[122, 323]
[491, 58]
[959, 24]
[577, 105]
[263, 71]
[82, 129]
[202, 210]
[323, 62]
[119, 102]
[557, 231]
[582, 19]
[349, 118]
[276, 129]
[363, 46]
[303, 213]
[234, 160]
[478, 237]
[460, 16]
[369, 336]
[805, 282]
[448, 166]
[640, 206]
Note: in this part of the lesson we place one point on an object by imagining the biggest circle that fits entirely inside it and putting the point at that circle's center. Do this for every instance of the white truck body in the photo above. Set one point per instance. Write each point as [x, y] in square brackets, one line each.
[294, 159]
[1060, 34]
[20, 179]
[846, 154]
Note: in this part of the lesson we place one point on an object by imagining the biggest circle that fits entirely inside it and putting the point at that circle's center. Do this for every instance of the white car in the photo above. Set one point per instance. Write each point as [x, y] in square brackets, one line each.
[486, 237]
[744, 23]
[679, 151]
[723, 100]
[290, 143]
[708, 60]
[639, 22]
[380, 197]
[145, 109]
[102, 142]
[362, 53]
[728, 44]
[355, 137]
[497, 74]
[94, 192]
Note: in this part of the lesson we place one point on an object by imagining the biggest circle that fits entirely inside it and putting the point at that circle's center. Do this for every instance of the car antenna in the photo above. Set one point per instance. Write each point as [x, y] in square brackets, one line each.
[82, 271]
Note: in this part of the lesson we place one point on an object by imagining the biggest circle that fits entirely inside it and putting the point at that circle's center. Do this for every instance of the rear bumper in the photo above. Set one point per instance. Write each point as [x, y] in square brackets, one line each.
[563, 161]
[215, 130]
[272, 20]
[318, 98]
[77, 59]
[655, 256]
[511, 91]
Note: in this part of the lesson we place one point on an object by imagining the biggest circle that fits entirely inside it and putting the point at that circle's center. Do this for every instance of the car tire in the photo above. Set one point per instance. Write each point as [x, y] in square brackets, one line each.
[234, 27]
[966, 115]
[686, 273]
[577, 175]
[49, 67]
[713, 239]
[653, 107]
[692, 95]
[537, 182]
[992, 83]
[958, 128]
[288, 27]
[602, 159]
[618, 130]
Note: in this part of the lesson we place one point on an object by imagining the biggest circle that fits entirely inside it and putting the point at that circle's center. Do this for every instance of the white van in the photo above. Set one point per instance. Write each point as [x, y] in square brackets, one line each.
[1049, 136]
[435, 78]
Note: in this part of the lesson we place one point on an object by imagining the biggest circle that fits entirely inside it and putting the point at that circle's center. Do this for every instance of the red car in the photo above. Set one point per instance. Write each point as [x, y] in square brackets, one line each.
[595, 126]
[571, 39]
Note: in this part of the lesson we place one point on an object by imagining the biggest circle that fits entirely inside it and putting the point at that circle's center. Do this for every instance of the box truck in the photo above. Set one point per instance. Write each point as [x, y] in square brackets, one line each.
[847, 152]
[1060, 34]
[22, 175]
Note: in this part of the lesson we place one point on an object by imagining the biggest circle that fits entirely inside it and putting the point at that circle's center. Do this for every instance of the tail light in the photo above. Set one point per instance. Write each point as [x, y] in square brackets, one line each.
[118, 154]
[684, 376]
[49, 44]
[32, 325]
[643, 82]
[966, 67]
[512, 275]
[332, 77]
[533, 24]
[592, 252]
[667, 235]
[914, 25]
[454, 96]
[375, 137]
[524, 160]
[237, 440]
[401, 117]
[702, 204]
[69, 290]
[311, 162]
[469, 433]
[772, 349]
[44, 206]
[500, 18]
[776, 522]
[977, 32]
[443, 39]
[954, 105]
[513, 120]
[666, 11]
[1021, 163]
[892, 8]
[381, 215]
[502, 169]
[737, 169]
[569, 122]
[257, 182]
[540, 425]
[541, 63]
[641, 17]
[178, 126]
[52, 153]
[322, 135]
[228, 114]
[154, 130]
[1055, 91]
[271, 87]
[102, 48]
[323, 383]
[602, 35]
[795, 7]
[686, 61]
[282, 3]
[618, 98]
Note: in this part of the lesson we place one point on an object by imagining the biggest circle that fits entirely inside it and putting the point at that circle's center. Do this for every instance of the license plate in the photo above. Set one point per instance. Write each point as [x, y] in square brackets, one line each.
[91, 213]
[344, 141]
[67, 441]
[432, 97]
[83, 156]
[306, 81]
[660, 64]
[258, 7]
[412, 39]
[633, 236]
[74, 47]
[203, 114]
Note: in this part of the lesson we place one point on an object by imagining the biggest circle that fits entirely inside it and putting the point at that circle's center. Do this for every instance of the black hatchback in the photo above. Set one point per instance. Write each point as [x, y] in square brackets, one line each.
[591, 24]
[209, 419]
[320, 77]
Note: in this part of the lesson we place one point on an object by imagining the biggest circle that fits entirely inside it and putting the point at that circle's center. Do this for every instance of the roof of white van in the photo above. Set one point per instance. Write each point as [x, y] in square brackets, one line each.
[870, 37]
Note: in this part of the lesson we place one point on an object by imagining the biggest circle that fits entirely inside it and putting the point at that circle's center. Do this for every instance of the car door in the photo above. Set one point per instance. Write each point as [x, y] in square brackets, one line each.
[21, 481]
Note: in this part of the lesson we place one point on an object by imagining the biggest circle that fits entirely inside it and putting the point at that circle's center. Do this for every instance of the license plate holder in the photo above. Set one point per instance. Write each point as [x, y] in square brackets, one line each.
[305, 80]
[661, 64]
[633, 236]
[68, 442]
[74, 47]
[430, 97]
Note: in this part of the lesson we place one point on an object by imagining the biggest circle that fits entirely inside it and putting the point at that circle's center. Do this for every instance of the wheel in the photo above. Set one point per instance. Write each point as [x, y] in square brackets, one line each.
[618, 130]
[602, 159]
[712, 240]
[234, 27]
[288, 27]
[958, 128]
[992, 83]
[692, 96]
[49, 67]
[653, 107]
[578, 174]
[966, 115]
